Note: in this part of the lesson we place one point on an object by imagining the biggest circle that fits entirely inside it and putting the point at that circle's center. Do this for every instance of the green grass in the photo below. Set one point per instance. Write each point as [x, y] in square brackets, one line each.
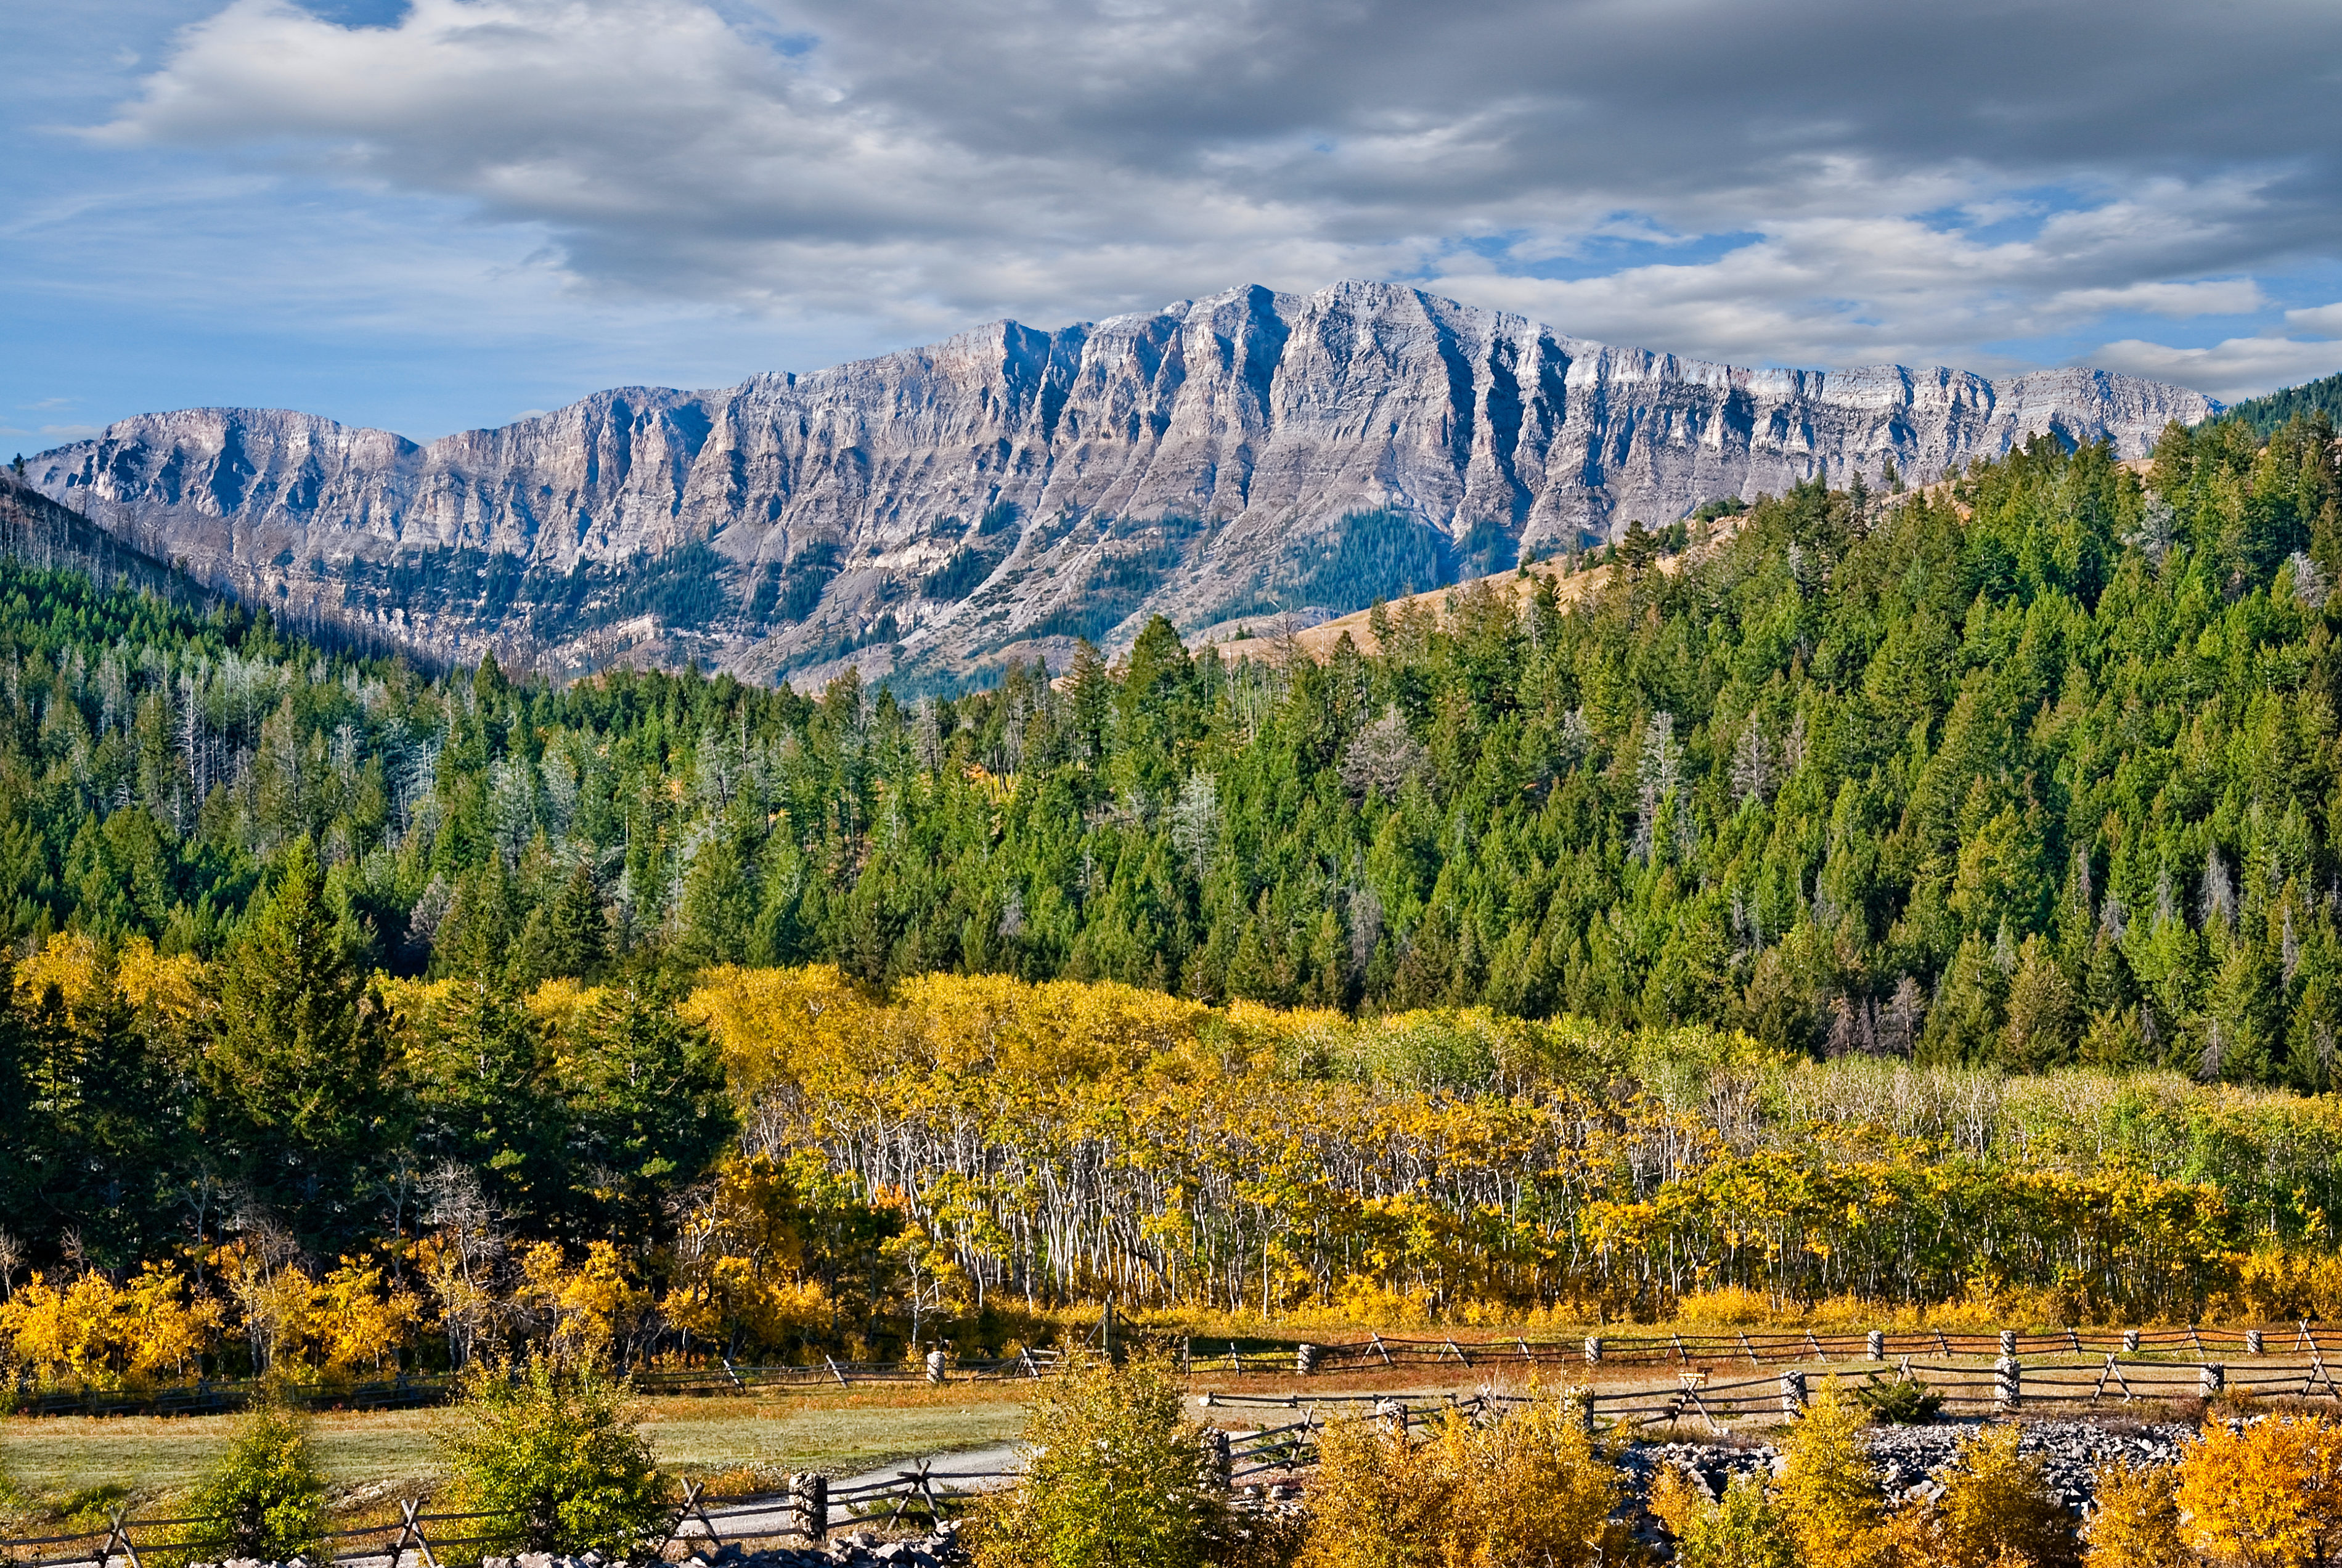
[64, 1463]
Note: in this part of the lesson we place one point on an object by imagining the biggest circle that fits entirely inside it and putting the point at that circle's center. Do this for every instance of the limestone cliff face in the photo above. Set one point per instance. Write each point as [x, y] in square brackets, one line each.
[999, 492]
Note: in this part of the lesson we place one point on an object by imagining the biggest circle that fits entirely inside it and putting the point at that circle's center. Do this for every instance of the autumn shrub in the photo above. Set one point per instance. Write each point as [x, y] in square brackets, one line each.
[1830, 1495]
[2136, 1522]
[1996, 1508]
[1373, 1502]
[264, 1497]
[1531, 1487]
[1115, 1477]
[1741, 1529]
[549, 1451]
[2266, 1493]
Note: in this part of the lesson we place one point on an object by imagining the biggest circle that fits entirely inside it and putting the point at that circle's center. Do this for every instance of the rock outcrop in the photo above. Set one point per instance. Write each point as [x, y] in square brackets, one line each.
[1009, 489]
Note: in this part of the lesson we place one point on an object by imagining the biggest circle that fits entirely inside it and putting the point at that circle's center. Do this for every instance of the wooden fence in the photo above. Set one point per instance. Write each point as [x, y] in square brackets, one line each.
[1377, 1352]
[809, 1510]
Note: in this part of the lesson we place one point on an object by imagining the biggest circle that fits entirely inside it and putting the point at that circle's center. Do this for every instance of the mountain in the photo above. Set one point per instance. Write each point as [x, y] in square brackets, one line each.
[1004, 491]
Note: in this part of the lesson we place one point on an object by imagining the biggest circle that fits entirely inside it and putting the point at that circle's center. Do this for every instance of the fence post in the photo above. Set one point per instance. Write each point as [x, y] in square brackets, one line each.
[1873, 1345]
[1793, 1394]
[1186, 1354]
[1305, 1358]
[2210, 1379]
[2007, 1382]
[2130, 1341]
[2253, 1341]
[1577, 1408]
[1217, 1451]
[809, 1499]
[936, 1365]
[2008, 1342]
[1594, 1350]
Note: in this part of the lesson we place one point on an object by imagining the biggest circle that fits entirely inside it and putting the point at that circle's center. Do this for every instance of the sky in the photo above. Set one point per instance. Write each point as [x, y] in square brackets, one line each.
[429, 215]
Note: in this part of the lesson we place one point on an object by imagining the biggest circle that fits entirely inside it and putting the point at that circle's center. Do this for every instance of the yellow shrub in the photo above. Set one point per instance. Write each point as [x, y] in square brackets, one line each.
[1372, 1502]
[2137, 1524]
[1836, 1510]
[1995, 1508]
[1531, 1488]
[1725, 1306]
[2266, 1496]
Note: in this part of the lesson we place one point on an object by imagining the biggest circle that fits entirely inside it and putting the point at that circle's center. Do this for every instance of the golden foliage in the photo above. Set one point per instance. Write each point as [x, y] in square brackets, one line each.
[1828, 1494]
[91, 1334]
[1531, 1487]
[2265, 1494]
[1996, 1508]
[2136, 1522]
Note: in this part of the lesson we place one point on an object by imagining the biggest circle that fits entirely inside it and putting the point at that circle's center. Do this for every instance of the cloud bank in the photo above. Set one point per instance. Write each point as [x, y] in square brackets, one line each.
[1810, 182]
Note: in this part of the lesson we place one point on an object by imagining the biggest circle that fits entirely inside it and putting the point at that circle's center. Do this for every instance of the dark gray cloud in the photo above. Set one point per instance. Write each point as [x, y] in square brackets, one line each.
[1807, 181]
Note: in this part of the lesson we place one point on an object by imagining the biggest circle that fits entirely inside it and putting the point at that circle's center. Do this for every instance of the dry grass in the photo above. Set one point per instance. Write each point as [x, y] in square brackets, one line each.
[76, 1464]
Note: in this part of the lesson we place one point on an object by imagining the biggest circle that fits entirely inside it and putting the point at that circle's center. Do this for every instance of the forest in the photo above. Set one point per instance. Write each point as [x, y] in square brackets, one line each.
[1903, 897]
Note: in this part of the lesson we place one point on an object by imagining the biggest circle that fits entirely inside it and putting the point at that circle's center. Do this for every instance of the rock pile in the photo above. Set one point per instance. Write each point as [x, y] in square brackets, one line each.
[1910, 1459]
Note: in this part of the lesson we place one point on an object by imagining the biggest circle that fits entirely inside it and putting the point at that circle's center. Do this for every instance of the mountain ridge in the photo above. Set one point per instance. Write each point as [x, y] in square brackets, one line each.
[997, 493]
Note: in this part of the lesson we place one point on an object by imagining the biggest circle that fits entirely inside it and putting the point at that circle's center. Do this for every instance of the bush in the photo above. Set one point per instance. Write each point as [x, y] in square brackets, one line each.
[2136, 1523]
[264, 1497]
[1996, 1509]
[1531, 1488]
[2267, 1494]
[1115, 1477]
[1372, 1504]
[550, 1450]
[1902, 1401]
[1742, 1529]
[1829, 1493]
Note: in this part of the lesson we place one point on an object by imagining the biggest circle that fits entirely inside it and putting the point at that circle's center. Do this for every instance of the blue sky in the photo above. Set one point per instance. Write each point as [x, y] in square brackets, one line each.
[442, 214]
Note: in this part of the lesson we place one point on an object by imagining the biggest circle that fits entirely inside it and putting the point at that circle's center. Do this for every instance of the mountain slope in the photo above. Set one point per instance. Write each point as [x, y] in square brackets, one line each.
[1008, 490]
[2271, 409]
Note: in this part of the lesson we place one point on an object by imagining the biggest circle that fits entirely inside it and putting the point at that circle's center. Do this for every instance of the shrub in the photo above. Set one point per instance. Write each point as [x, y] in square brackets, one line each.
[1829, 1493]
[2267, 1494]
[1530, 1488]
[2136, 1523]
[550, 1450]
[264, 1497]
[1372, 1504]
[1996, 1509]
[1901, 1402]
[1115, 1477]
[1742, 1529]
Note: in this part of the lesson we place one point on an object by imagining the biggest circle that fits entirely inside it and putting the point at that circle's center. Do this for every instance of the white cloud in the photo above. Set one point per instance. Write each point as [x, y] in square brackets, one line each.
[914, 165]
[2236, 368]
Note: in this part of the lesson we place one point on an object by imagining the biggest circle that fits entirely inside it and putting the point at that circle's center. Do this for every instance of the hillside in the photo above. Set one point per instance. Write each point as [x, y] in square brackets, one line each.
[940, 513]
[2265, 414]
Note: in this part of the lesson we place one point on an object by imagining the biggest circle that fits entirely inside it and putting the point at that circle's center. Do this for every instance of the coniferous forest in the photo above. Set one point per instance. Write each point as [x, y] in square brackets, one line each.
[319, 957]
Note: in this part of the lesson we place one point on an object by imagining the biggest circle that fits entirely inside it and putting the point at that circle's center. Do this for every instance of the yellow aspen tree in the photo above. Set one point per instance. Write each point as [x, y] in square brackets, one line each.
[1830, 1495]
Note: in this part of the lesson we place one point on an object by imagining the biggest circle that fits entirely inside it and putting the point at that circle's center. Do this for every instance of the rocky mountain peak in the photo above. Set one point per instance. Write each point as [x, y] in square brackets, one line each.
[1005, 491]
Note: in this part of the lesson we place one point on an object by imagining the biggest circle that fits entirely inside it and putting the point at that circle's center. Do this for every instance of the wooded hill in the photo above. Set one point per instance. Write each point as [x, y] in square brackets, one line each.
[2033, 770]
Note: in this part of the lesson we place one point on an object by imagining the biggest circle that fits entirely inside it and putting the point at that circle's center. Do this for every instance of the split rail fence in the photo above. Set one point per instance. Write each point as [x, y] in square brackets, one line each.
[922, 1495]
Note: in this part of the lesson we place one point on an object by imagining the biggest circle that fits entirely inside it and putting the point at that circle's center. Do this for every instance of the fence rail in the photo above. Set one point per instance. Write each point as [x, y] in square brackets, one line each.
[810, 1508]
